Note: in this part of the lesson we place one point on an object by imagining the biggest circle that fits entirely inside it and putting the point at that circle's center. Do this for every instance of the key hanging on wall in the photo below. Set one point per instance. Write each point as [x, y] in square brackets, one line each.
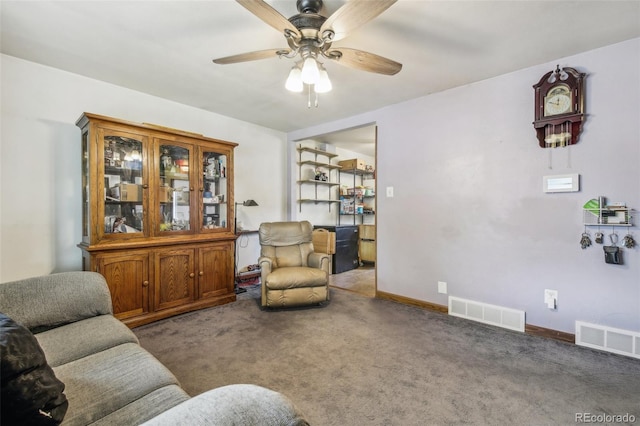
[628, 241]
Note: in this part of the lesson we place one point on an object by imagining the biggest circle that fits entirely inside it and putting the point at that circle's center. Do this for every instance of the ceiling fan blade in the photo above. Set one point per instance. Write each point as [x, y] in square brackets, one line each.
[269, 15]
[251, 56]
[364, 61]
[352, 15]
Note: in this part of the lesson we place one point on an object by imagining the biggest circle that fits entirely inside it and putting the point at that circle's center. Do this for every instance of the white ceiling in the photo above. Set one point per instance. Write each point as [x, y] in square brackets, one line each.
[361, 140]
[165, 48]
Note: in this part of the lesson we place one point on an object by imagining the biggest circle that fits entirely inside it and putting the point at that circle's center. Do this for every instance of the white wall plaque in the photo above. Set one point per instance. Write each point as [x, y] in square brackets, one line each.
[561, 183]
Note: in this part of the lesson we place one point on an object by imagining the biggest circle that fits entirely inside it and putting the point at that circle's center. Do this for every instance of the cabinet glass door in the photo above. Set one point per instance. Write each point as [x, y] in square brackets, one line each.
[174, 191]
[123, 184]
[214, 190]
[85, 188]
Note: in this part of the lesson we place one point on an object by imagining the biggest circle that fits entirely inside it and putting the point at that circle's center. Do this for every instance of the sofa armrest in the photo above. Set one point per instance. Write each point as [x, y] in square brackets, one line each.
[266, 266]
[319, 260]
[48, 301]
[233, 405]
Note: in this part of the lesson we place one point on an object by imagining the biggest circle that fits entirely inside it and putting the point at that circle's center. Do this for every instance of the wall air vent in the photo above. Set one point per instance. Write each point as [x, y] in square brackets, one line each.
[512, 319]
[615, 340]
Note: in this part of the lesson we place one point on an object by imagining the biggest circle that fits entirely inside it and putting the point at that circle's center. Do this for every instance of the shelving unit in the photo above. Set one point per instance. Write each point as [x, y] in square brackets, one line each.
[608, 216]
[328, 185]
[356, 198]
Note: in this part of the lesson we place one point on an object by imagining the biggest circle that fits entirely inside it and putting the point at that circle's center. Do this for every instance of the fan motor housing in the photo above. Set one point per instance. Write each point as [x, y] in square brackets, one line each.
[309, 6]
[305, 21]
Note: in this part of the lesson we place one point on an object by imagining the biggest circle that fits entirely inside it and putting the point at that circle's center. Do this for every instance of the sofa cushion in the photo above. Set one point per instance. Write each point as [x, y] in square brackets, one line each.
[70, 342]
[145, 408]
[62, 298]
[107, 381]
[296, 297]
[294, 277]
[279, 234]
[31, 393]
[233, 405]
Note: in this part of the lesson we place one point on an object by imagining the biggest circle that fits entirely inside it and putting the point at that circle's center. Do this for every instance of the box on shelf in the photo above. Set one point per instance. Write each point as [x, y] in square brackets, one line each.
[324, 241]
[358, 192]
[165, 194]
[352, 164]
[130, 192]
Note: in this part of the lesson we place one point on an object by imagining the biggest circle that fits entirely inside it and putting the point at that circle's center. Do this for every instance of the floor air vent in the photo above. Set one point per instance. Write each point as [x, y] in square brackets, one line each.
[608, 339]
[488, 314]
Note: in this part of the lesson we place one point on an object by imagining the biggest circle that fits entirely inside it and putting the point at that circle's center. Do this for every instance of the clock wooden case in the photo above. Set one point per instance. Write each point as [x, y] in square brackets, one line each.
[157, 217]
[559, 107]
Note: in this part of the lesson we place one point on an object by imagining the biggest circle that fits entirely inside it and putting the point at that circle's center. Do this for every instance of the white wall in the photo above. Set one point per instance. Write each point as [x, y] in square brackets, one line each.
[469, 208]
[40, 162]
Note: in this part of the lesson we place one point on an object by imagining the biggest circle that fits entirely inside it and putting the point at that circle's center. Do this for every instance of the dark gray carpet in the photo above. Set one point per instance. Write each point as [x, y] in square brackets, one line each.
[361, 361]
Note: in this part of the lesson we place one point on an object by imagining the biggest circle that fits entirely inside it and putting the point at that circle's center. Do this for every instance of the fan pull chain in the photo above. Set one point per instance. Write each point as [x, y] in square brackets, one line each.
[315, 102]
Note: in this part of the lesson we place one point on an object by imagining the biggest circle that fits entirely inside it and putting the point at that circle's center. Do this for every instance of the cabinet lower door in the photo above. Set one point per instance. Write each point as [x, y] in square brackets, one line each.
[174, 275]
[215, 270]
[128, 280]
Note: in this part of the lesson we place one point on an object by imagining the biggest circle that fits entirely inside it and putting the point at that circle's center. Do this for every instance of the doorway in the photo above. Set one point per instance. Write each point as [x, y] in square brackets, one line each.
[361, 143]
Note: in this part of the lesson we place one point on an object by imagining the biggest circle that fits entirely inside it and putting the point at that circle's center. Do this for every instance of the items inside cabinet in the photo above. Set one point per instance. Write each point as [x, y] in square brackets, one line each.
[175, 186]
[123, 182]
[213, 197]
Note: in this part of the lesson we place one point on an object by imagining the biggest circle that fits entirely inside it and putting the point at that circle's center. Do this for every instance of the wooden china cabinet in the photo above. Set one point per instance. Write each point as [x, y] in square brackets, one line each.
[157, 216]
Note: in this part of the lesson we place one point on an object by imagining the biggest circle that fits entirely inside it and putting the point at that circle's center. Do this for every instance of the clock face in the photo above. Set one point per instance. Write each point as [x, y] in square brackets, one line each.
[557, 101]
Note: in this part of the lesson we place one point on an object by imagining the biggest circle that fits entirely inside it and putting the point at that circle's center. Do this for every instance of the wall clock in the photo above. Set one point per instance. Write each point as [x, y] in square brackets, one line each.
[559, 107]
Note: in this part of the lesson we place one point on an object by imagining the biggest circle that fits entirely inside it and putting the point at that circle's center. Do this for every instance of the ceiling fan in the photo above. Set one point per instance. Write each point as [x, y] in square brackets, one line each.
[311, 35]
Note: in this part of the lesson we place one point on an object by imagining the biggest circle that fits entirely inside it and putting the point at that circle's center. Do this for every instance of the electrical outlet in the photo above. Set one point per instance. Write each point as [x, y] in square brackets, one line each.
[551, 298]
[442, 287]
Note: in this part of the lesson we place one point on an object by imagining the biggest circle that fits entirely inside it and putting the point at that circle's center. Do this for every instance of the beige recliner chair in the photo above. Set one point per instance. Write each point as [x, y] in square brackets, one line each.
[292, 273]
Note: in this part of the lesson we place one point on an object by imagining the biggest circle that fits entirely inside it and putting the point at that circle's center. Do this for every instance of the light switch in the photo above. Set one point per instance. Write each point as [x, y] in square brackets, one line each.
[389, 191]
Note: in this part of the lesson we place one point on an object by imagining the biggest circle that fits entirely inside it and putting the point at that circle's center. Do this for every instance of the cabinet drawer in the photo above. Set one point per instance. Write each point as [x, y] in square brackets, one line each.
[367, 251]
[367, 232]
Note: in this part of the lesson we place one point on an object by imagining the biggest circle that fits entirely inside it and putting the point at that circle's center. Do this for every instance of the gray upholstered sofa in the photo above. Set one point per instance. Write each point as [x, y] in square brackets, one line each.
[109, 378]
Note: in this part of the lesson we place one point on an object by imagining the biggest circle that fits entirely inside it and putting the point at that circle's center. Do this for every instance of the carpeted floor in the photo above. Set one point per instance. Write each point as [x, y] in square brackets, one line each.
[363, 361]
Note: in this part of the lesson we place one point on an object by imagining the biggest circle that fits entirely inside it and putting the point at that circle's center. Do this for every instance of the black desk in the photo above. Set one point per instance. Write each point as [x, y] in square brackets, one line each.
[346, 255]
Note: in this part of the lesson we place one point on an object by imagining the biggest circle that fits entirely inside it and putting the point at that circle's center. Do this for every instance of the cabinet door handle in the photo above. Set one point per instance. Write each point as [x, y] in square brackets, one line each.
[201, 189]
[191, 188]
[191, 275]
[145, 284]
[201, 273]
[145, 186]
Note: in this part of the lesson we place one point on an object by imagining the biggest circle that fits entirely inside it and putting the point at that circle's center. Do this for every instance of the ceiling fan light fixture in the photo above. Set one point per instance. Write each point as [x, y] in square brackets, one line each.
[324, 84]
[310, 72]
[309, 36]
[294, 81]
